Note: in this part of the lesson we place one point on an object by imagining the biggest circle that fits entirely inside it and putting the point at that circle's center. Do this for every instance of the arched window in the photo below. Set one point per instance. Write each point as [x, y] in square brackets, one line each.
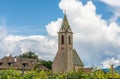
[69, 39]
[62, 39]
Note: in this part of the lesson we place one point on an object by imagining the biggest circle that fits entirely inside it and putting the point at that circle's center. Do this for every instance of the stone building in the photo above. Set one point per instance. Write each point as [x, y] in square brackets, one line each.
[66, 59]
[19, 63]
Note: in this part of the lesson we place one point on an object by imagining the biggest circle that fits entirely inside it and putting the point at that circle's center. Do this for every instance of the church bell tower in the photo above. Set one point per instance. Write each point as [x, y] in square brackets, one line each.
[65, 58]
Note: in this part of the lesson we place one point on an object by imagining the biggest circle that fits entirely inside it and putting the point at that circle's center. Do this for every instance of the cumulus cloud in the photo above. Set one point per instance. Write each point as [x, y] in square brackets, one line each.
[94, 40]
[115, 7]
[108, 62]
[53, 27]
[41, 45]
[115, 3]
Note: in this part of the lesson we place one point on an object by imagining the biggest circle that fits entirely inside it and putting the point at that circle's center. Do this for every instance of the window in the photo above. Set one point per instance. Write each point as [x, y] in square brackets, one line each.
[69, 39]
[25, 64]
[1, 64]
[62, 39]
[10, 64]
[62, 48]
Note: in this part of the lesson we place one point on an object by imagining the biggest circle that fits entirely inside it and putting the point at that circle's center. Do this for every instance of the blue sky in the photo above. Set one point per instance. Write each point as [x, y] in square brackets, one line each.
[32, 25]
[32, 16]
[29, 14]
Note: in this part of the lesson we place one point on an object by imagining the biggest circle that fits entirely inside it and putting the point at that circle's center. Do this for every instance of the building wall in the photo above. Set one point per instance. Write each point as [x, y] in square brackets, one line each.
[59, 64]
[78, 68]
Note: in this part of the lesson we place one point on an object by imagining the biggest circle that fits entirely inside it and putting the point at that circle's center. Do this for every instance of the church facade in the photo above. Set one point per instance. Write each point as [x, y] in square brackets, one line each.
[66, 59]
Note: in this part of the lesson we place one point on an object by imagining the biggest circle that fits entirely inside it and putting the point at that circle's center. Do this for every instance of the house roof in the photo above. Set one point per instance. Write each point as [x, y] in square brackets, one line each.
[76, 59]
[19, 63]
[88, 70]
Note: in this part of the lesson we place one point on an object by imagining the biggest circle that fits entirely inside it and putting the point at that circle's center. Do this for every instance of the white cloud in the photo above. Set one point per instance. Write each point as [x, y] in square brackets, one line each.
[115, 3]
[115, 7]
[113, 33]
[43, 46]
[53, 27]
[108, 62]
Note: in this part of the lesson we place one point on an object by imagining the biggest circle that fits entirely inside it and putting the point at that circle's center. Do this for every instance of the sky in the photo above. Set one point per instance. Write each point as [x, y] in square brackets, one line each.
[32, 25]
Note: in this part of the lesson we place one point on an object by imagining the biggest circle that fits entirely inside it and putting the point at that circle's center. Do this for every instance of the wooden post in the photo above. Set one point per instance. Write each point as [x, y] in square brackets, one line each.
[22, 71]
[112, 71]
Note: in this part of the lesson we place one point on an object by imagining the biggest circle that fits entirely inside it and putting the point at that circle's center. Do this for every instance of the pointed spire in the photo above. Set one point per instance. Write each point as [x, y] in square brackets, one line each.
[65, 24]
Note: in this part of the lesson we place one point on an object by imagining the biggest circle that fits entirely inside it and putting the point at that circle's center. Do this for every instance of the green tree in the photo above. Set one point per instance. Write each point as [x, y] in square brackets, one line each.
[29, 54]
[48, 64]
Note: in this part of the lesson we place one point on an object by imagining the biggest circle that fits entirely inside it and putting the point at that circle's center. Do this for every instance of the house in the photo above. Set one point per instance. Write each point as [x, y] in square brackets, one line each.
[88, 70]
[20, 63]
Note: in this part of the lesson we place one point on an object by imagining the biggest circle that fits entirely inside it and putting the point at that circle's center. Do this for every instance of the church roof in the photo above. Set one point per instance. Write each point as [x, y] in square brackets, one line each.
[65, 25]
[76, 59]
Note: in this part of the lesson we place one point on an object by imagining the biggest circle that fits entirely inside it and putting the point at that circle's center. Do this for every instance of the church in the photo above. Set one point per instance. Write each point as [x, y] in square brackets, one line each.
[66, 59]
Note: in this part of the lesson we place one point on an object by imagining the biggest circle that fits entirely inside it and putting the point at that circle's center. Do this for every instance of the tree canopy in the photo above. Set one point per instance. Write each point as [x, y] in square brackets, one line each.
[48, 64]
[29, 54]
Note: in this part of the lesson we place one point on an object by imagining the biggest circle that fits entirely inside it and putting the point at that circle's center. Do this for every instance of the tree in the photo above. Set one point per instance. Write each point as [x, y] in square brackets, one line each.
[48, 64]
[29, 54]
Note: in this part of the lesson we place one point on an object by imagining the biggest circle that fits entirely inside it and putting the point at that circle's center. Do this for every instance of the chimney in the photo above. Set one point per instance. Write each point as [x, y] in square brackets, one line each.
[15, 59]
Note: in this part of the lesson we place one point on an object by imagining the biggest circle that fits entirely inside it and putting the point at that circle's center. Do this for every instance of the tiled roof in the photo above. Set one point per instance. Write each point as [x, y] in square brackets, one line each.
[76, 59]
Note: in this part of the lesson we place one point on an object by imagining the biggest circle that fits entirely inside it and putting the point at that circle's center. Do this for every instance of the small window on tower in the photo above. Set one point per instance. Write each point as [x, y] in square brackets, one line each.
[69, 40]
[62, 39]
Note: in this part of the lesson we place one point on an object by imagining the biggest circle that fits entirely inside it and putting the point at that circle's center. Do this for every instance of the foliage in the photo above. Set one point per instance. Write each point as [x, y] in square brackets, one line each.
[48, 64]
[10, 74]
[34, 74]
[29, 54]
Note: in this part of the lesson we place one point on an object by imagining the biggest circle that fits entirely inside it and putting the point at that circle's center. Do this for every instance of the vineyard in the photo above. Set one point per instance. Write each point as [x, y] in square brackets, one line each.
[34, 74]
